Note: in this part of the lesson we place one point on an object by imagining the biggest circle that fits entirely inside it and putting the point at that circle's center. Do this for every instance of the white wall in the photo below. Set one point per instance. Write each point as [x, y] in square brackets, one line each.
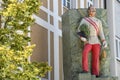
[117, 18]
[111, 24]
[118, 70]
[117, 30]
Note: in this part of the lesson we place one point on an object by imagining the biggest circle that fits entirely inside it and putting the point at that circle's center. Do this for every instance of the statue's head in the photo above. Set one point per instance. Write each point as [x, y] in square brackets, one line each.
[91, 11]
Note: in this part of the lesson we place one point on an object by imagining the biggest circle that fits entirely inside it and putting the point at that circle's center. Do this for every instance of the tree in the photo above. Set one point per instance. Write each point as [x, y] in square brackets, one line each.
[16, 16]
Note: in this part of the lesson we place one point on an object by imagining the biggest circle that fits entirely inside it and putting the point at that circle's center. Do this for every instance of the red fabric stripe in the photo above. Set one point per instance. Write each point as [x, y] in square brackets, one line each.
[93, 23]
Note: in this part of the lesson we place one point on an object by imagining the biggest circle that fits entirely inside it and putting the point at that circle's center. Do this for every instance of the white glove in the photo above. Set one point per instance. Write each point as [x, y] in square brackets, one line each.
[104, 44]
[83, 39]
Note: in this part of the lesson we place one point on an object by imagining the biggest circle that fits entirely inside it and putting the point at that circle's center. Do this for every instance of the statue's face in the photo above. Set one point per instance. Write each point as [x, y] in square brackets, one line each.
[92, 12]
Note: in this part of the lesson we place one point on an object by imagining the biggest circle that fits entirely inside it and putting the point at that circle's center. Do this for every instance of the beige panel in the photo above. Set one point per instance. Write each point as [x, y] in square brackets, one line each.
[51, 5]
[78, 3]
[59, 7]
[42, 14]
[99, 3]
[85, 2]
[60, 24]
[52, 54]
[60, 58]
[44, 3]
[39, 37]
[51, 20]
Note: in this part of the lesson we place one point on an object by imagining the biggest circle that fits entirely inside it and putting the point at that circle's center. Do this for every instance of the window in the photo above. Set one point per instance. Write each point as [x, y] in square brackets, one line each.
[118, 1]
[89, 2]
[64, 2]
[70, 4]
[67, 3]
[105, 4]
[118, 47]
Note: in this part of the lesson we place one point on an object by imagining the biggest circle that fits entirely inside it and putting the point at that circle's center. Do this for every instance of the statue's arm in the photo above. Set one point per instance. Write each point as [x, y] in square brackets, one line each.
[102, 36]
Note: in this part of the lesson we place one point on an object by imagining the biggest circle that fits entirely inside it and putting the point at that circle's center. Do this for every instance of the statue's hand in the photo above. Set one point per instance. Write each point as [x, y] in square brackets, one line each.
[104, 44]
[83, 39]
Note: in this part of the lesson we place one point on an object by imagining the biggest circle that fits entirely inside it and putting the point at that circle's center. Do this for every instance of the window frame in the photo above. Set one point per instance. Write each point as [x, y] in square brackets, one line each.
[118, 1]
[117, 43]
[89, 2]
[67, 3]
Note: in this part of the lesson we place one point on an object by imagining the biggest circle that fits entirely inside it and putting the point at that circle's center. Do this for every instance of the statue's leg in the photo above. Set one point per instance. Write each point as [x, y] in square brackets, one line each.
[95, 59]
[85, 53]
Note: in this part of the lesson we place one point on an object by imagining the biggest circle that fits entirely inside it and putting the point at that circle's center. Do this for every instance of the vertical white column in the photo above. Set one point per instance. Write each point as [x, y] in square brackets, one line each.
[56, 41]
[96, 3]
[111, 24]
[82, 4]
[73, 4]
[76, 4]
[56, 57]
[49, 59]
[102, 3]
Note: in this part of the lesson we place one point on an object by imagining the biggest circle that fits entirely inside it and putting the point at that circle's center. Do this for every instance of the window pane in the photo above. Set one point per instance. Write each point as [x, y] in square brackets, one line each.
[117, 48]
[64, 1]
[68, 5]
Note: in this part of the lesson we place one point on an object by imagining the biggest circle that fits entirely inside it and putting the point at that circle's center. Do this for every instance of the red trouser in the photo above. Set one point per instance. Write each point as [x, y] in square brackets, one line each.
[95, 48]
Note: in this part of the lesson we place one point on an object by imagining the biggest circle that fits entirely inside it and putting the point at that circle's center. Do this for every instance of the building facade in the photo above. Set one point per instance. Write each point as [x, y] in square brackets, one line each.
[47, 33]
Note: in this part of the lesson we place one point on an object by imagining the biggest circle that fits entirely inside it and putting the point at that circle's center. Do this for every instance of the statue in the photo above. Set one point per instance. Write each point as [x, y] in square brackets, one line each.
[73, 46]
[89, 30]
